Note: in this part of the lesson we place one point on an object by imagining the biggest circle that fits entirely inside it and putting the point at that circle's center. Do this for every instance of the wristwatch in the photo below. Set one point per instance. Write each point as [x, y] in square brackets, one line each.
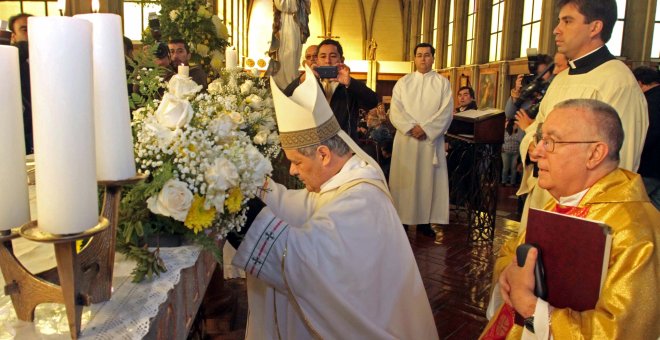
[529, 323]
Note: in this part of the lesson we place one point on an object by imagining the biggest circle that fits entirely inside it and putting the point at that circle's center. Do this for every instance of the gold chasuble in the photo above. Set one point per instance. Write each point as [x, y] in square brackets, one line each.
[629, 303]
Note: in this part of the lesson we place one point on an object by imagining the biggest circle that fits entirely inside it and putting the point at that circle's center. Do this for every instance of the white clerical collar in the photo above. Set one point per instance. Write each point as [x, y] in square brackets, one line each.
[423, 74]
[571, 63]
[573, 200]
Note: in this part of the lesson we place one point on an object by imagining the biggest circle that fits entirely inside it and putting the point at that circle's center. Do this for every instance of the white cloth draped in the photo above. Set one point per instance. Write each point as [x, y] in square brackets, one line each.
[346, 258]
[418, 174]
[290, 48]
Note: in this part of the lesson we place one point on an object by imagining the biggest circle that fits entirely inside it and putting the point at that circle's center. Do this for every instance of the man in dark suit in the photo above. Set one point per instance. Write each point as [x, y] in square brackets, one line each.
[345, 94]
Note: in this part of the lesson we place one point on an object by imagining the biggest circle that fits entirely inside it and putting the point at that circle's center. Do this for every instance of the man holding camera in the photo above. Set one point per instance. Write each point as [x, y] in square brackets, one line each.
[345, 94]
[583, 29]
[421, 112]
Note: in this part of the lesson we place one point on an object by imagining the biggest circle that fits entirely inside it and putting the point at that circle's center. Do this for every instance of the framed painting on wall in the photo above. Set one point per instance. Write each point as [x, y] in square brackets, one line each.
[487, 93]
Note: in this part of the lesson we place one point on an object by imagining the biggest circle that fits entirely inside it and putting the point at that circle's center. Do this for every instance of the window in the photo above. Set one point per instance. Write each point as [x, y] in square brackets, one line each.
[531, 26]
[655, 46]
[614, 45]
[435, 24]
[136, 16]
[471, 25]
[450, 34]
[422, 24]
[496, 24]
[38, 7]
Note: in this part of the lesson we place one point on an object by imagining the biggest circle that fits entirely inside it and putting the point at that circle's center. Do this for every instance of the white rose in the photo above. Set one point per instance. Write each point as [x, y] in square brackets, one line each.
[236, 117]
[222, 126]
[261, 137]
[173, 113]
[183, 87]
[246, 86]
[174, 14]
[173, 200]
[254, 101]
[222, 175]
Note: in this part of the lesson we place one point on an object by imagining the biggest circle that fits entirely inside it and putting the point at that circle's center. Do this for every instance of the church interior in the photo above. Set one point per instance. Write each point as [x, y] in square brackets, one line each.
[483, 44]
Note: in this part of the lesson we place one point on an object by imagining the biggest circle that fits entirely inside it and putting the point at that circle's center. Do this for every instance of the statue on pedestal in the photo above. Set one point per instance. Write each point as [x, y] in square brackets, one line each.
[372, 49]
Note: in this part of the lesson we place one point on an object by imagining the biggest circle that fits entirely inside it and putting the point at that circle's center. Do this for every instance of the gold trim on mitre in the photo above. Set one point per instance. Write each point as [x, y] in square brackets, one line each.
[311, 136]
[305, 118]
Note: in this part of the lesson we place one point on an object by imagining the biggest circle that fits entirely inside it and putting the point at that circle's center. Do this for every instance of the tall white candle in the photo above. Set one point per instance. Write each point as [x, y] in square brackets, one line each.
[63, 122]
[112, 118]
[14, 203]
[231, 57]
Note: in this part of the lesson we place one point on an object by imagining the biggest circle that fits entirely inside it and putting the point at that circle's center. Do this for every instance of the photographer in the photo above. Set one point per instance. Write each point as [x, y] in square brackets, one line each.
[345, 94]
[523, 105]
[537, 65]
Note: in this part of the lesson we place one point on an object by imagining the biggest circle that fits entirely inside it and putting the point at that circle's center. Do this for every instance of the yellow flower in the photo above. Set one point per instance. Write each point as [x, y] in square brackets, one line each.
[199, 218]
[233, 202]
[216, 62]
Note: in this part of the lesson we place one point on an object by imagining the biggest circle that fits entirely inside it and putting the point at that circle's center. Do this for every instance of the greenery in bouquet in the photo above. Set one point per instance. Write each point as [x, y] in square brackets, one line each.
[194, 22]
[206, 155]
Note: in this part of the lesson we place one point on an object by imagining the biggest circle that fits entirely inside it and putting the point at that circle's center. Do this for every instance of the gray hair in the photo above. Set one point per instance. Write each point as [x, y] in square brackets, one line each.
[607, 121]
[334, 143]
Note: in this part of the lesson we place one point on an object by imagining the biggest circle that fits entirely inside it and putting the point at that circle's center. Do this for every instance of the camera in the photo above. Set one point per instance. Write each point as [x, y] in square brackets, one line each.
[533, 84]
[327, 71]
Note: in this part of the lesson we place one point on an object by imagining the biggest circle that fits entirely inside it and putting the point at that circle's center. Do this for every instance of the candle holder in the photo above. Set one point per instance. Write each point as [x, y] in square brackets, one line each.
[80, 278]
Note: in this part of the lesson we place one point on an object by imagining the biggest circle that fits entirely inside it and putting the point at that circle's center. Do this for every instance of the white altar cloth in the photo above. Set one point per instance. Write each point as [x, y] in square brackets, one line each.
[126, 316]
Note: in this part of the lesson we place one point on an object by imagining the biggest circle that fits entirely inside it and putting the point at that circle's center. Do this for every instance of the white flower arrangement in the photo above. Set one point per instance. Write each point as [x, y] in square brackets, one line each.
[206, 155]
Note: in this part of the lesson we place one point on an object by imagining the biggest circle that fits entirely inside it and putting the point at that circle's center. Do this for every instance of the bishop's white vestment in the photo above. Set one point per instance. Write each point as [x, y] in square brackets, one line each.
[418, 172]
[334, 265]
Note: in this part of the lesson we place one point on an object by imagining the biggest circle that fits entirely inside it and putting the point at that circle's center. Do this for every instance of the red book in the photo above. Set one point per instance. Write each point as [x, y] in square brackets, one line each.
[575, 253]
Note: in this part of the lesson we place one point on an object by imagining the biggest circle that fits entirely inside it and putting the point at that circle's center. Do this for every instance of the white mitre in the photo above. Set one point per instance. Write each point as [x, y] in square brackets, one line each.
[306, 119]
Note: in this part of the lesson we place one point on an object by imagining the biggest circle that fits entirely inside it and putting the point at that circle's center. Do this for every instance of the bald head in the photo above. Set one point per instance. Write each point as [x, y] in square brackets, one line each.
[580, 143]
[311, 54]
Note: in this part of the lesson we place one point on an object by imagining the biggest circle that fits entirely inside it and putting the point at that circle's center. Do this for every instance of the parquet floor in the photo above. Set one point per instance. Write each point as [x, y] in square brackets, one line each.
[456, 274]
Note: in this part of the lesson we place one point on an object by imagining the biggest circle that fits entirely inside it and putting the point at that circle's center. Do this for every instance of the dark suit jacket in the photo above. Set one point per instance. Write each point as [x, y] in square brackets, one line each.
[346, 103]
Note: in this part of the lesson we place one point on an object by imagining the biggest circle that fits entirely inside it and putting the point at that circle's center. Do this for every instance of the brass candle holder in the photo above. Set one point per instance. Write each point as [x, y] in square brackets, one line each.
[80, 278]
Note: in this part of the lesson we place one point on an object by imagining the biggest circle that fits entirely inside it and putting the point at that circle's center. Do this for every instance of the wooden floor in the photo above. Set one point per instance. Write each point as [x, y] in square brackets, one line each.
[456, 274]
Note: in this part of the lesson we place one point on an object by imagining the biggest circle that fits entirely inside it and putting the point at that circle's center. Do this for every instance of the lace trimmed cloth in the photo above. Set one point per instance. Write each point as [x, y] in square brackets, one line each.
[126, 316]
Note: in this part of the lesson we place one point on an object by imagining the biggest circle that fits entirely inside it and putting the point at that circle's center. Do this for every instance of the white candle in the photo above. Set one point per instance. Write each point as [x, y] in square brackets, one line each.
[63, 122]
[14, 202]
[112, 118]
[231, 58]
[184, 70]
[95, 6]
[61, 5]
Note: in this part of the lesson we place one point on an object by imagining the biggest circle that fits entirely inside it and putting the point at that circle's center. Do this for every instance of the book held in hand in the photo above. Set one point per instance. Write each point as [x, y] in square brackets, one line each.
[576, 255]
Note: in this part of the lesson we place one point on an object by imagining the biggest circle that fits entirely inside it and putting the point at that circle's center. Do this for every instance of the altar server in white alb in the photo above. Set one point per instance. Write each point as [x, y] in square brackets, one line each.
[421, 112]
[330, 261]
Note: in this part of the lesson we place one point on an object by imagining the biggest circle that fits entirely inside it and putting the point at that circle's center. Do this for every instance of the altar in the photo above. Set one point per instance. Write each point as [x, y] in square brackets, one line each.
[163, 308]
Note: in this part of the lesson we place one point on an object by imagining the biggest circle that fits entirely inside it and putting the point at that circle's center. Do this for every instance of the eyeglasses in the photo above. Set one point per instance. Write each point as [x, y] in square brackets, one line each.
[549, 143]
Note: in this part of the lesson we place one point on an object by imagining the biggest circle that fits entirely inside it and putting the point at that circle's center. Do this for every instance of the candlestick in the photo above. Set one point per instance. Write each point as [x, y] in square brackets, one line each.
[114, 140]
[62, 108]
[231, 57]
[14, 202]
[184, 70]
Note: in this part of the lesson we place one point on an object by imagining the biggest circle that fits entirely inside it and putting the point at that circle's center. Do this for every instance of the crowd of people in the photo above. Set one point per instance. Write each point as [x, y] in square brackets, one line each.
[333, 259]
